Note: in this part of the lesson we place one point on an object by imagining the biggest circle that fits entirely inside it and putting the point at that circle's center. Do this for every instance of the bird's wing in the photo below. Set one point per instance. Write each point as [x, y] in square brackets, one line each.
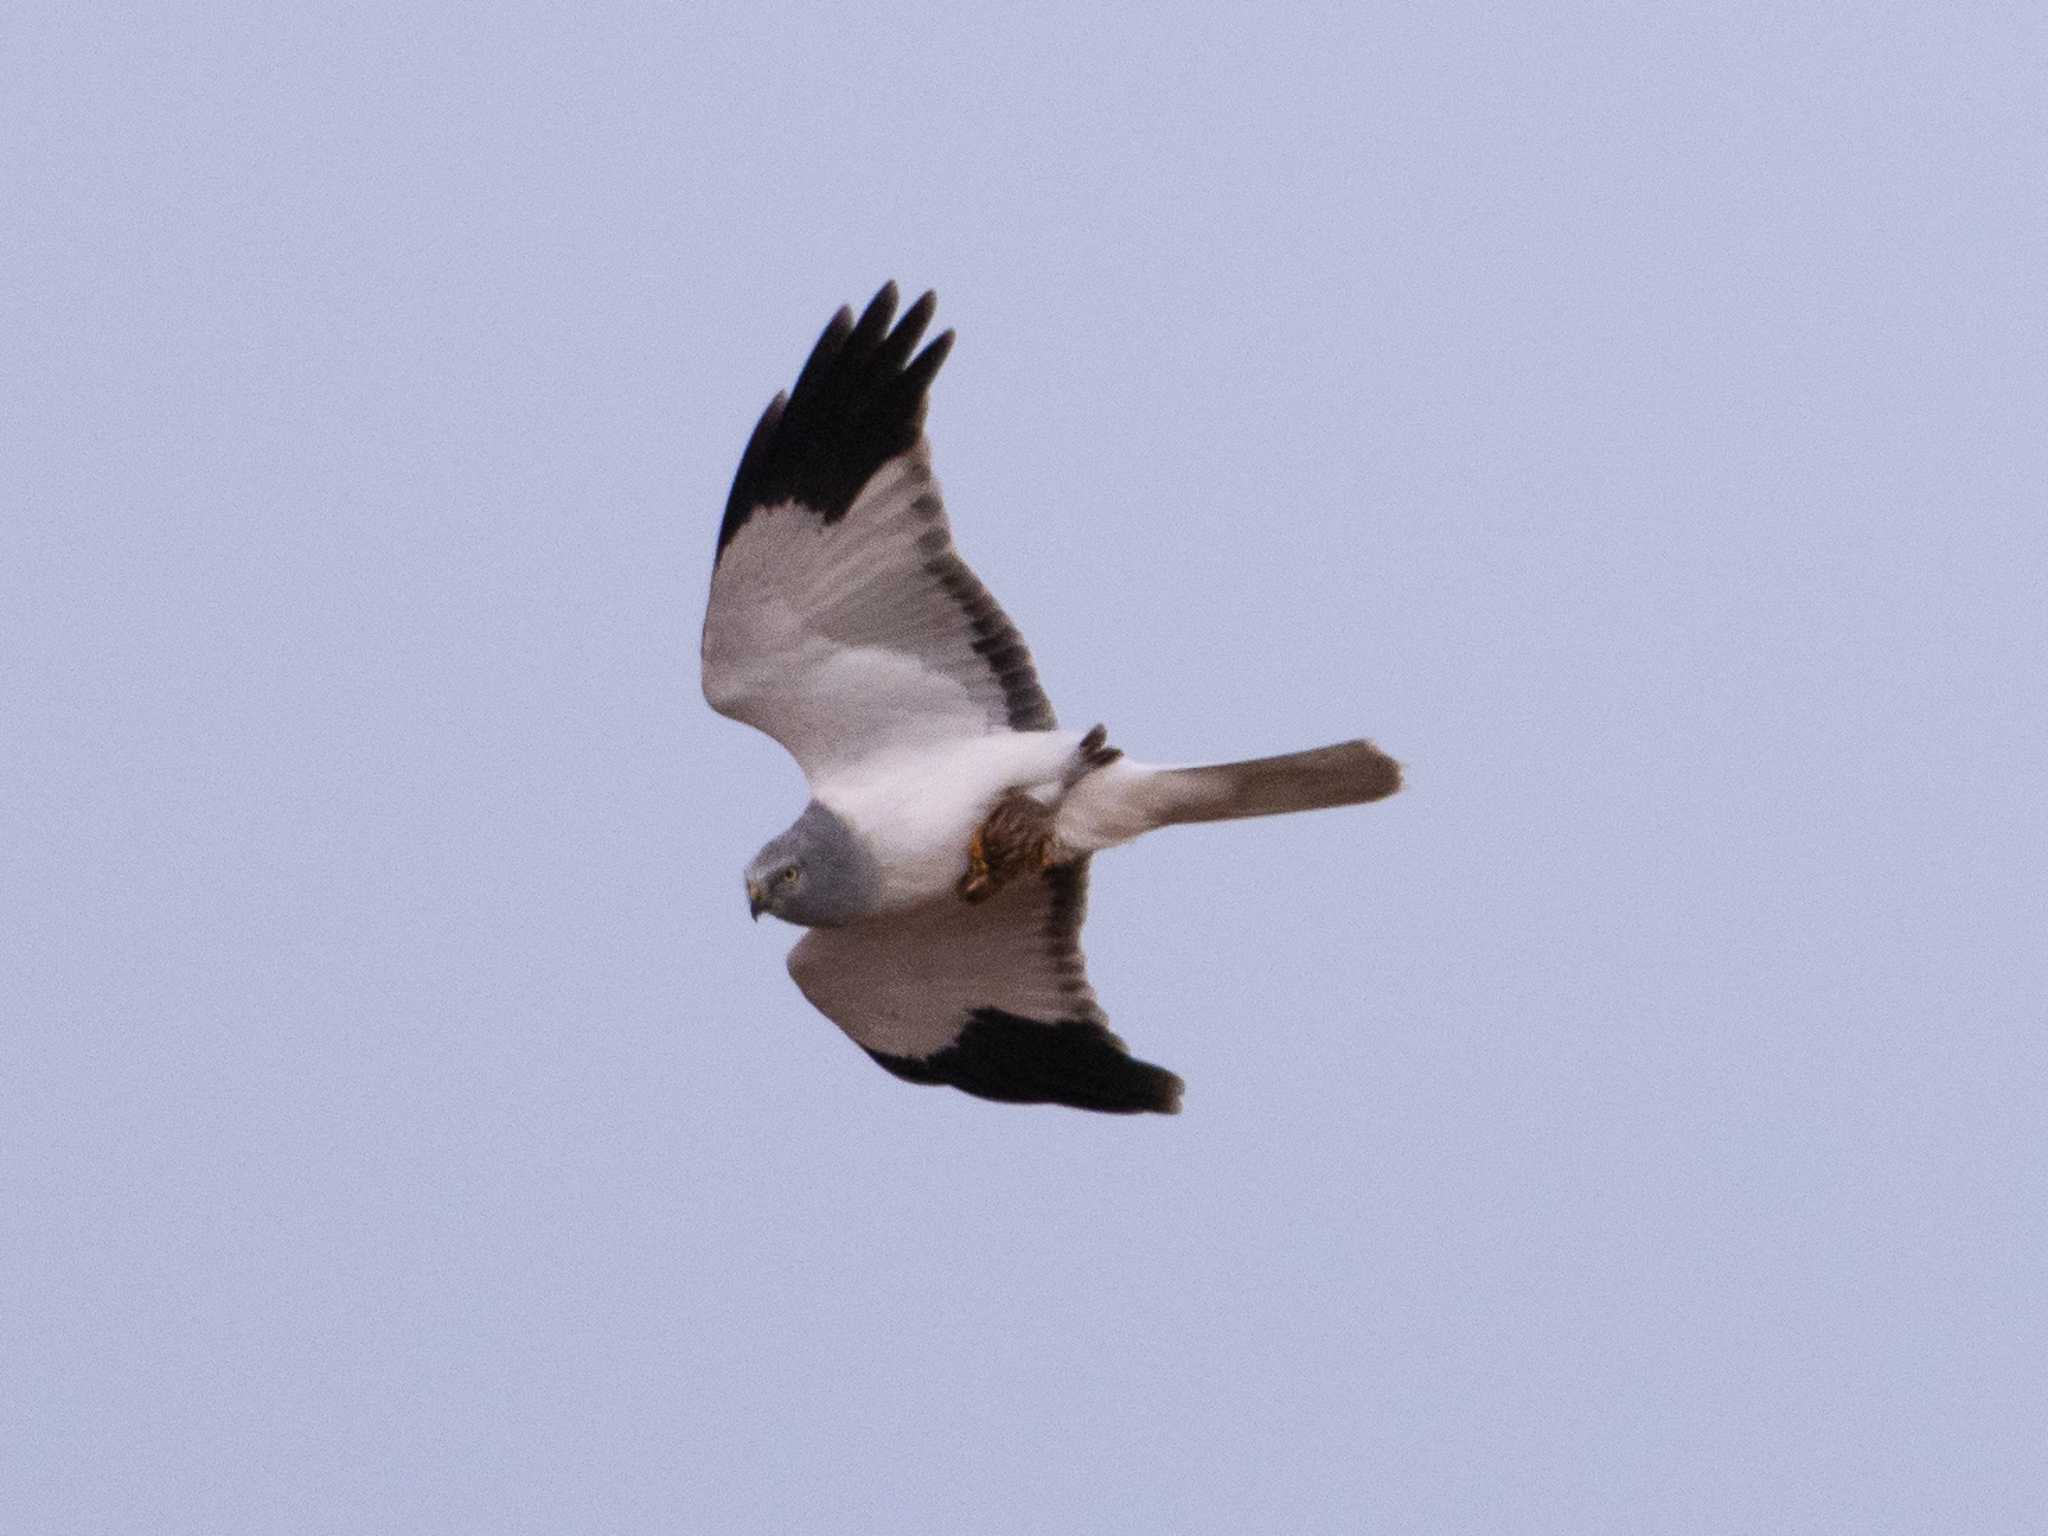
[842, 622]
[993, 999]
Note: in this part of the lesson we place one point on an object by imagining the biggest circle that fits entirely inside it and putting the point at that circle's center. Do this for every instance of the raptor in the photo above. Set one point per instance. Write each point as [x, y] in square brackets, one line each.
[941, 864]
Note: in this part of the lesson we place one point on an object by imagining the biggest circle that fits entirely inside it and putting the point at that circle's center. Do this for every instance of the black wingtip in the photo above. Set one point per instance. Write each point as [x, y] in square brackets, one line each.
[897, 346]
[928, 362]
[1076, 1062]
[874, 320]
[858, 402]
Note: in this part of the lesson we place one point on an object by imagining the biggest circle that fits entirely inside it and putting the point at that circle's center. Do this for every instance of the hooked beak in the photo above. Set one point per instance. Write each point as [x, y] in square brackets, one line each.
[757, 901]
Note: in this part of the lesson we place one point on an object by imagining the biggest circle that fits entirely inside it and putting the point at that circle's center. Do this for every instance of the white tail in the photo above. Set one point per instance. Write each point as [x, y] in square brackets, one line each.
[1119, 802]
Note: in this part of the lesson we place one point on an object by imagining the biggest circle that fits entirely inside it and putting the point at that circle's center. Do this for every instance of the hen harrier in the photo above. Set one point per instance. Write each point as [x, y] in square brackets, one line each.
[941, 865]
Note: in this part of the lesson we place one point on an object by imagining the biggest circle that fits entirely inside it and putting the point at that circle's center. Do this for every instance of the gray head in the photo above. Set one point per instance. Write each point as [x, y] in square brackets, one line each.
[817, 873]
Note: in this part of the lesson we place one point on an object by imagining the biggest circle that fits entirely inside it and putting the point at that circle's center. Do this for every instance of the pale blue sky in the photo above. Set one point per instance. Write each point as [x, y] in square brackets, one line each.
[1631, 416]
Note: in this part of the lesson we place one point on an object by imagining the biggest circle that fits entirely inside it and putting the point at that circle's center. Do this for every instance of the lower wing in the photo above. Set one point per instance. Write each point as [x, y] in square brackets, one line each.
[992, 999]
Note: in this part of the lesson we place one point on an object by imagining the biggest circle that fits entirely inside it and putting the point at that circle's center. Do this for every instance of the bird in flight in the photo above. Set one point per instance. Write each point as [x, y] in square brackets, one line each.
[941, 864]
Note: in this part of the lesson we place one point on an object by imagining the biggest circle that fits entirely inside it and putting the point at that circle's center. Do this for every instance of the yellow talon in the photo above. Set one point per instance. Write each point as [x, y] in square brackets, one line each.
[975, 885]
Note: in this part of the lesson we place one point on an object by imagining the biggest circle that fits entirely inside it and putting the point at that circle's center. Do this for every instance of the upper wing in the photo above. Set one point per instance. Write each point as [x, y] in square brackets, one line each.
[993, 999]
[842, 621]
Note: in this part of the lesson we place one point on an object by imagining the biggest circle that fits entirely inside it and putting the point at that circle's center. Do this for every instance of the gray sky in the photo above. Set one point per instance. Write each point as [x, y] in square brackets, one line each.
[1629, 416]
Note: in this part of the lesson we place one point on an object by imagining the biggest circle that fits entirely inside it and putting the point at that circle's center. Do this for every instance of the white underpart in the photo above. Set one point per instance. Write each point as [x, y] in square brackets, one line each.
[916, 808]
[1112, 805]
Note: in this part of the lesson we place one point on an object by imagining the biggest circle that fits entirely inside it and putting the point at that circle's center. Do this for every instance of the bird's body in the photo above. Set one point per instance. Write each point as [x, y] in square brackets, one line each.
[941, 864]
[918, 809]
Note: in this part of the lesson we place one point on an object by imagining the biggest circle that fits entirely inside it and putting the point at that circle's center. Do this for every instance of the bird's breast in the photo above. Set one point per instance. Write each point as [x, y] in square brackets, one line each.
[915, 810]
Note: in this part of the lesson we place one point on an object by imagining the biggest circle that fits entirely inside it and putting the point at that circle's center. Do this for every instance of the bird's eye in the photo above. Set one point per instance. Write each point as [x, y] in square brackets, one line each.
[787, 877]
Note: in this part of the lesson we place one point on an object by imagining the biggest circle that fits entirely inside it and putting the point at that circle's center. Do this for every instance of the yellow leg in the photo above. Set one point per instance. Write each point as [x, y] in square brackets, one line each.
[976, 885]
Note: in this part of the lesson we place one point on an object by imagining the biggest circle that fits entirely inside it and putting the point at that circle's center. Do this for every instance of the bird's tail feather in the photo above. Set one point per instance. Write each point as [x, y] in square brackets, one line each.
[1349, 773]
[1124, 799]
